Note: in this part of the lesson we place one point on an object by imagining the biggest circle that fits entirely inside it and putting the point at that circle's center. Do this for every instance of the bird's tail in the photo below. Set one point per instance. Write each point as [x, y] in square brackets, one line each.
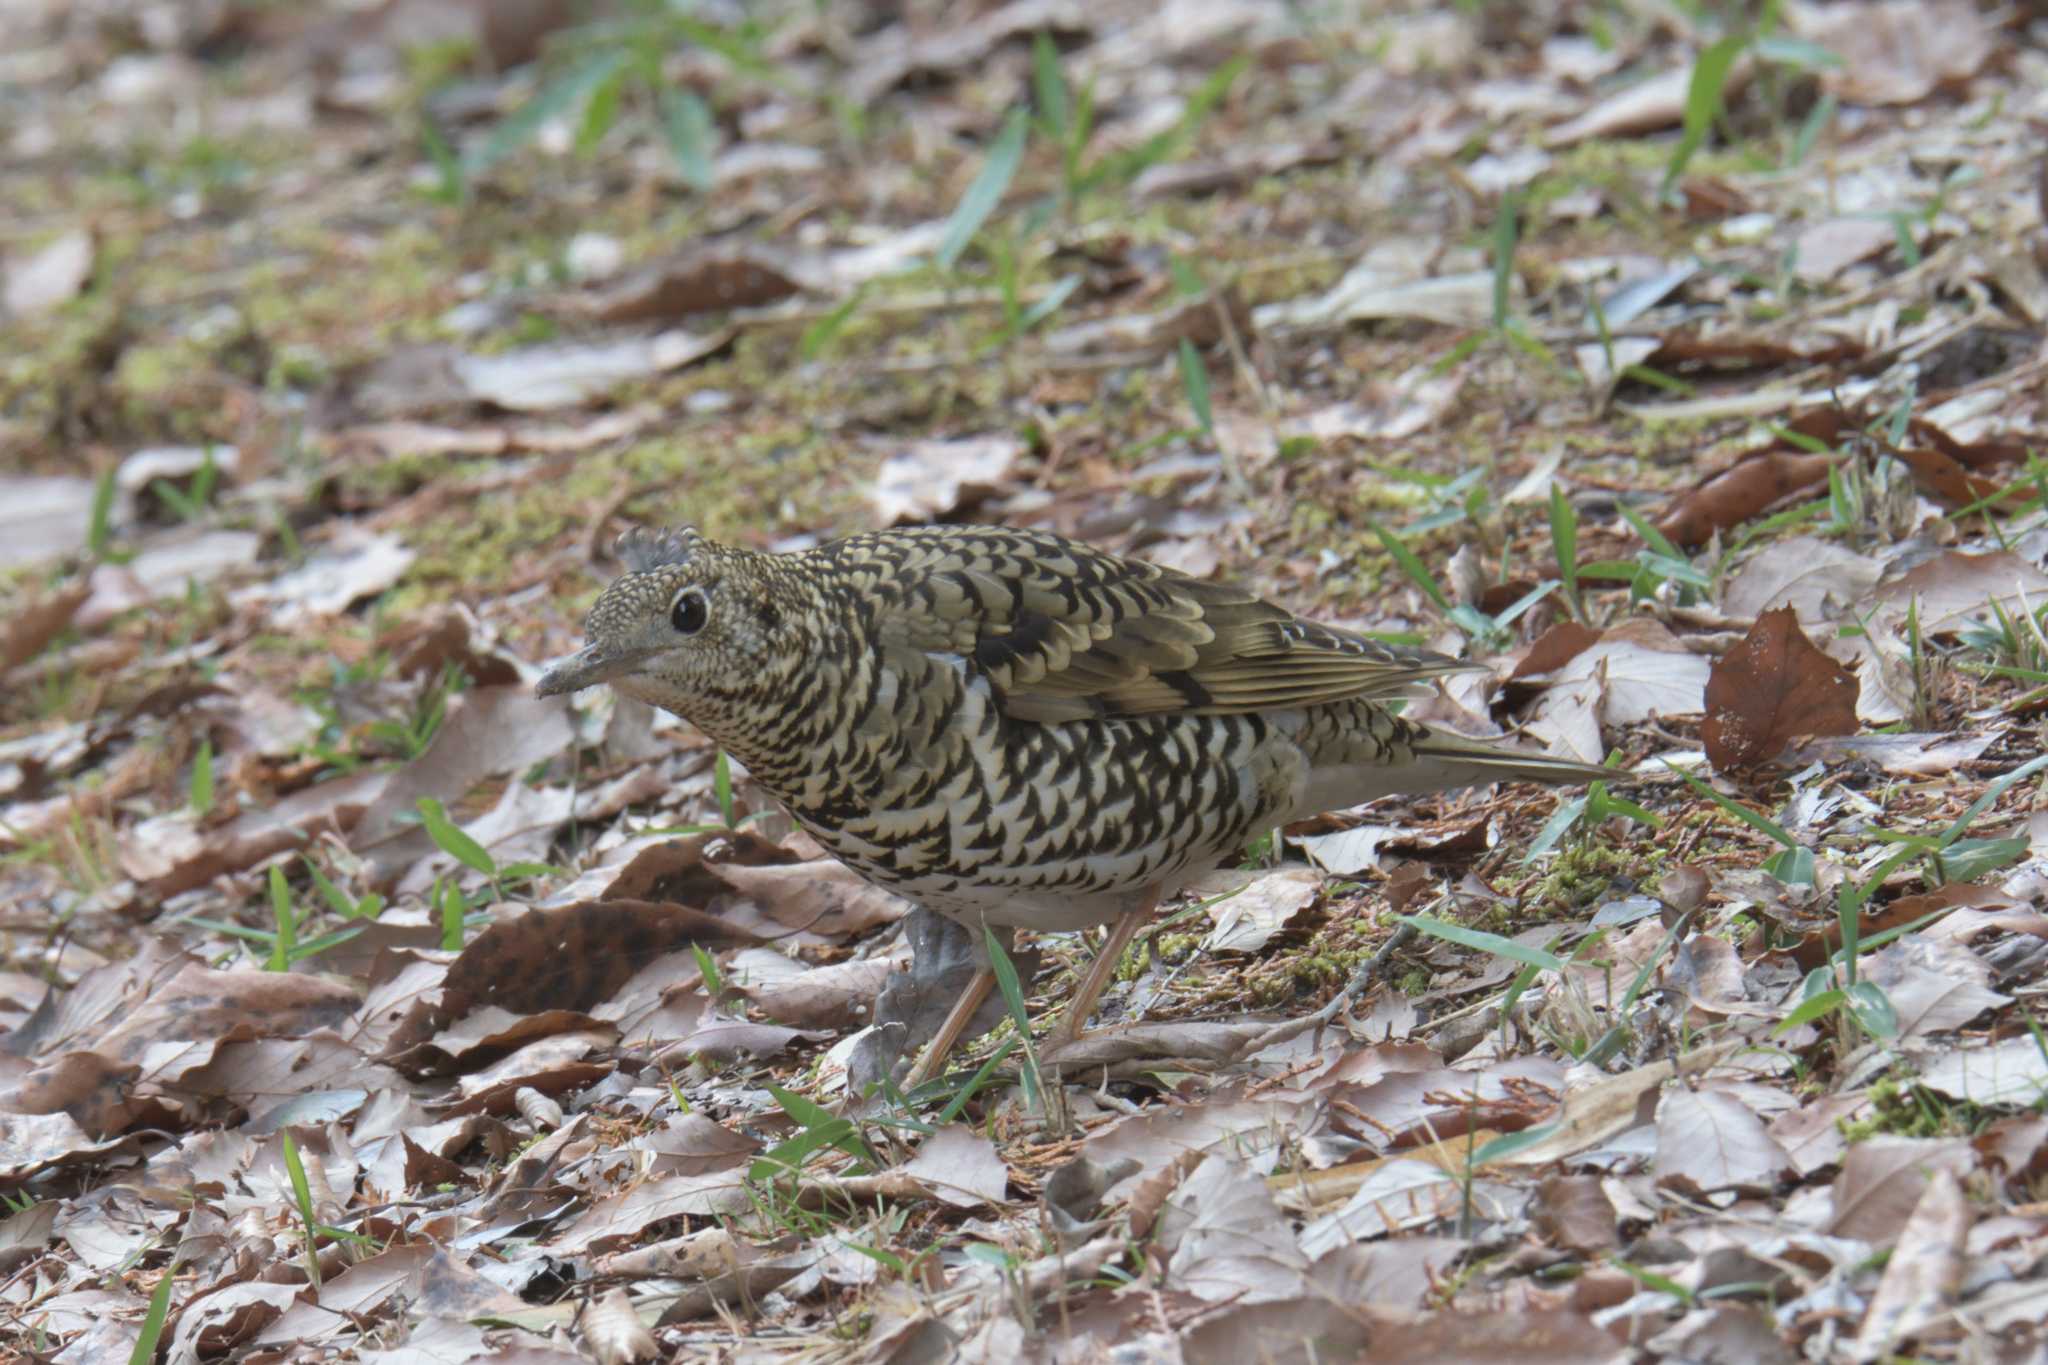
[1414, 761]
[1460, 762]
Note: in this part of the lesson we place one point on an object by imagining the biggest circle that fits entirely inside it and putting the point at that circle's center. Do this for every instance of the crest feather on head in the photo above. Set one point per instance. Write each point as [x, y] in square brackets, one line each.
[642, 548]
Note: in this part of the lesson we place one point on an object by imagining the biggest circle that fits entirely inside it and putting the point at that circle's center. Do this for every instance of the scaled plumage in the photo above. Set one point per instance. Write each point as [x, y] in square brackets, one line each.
[1010, 727]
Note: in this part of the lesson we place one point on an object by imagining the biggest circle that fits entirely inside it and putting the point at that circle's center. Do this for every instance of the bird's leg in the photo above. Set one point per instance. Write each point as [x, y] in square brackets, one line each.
[956, 1022]
[1102, 969]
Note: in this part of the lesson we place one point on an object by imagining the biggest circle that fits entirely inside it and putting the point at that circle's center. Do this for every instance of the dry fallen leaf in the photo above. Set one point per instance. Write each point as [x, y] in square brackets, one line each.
[1925, 1270]
[42, 518]
[1883, 1178]
[1771, 691]
[1955, 589]
[1897, 51]
[51, 276]
[1818, 579]
[928, 480]
[1709, 1141]
[2009, 1072]
[31, 627]
[566, 960]
[1736, 494]
[1257, 907]
[705, 279]
[1644, 107]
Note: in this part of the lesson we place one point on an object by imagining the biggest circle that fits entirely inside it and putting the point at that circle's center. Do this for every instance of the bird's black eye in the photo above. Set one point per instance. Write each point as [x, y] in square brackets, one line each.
[689, 612]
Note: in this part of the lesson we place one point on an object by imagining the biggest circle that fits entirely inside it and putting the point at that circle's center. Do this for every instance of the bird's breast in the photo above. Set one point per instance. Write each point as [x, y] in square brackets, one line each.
[1035, 824]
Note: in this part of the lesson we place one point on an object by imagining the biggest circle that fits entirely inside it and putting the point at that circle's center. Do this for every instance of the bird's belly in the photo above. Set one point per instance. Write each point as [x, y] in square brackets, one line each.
[1057, 898]
[1037, 911]
[1062, 827]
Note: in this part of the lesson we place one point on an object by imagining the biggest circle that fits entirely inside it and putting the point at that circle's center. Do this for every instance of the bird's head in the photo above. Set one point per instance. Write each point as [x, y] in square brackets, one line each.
[698, 628]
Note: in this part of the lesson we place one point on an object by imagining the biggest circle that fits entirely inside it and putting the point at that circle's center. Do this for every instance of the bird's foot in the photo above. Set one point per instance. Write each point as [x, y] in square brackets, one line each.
[948, 962]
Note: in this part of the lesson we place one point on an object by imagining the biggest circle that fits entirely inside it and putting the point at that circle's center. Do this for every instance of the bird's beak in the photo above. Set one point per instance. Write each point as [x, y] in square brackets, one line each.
[587, 667]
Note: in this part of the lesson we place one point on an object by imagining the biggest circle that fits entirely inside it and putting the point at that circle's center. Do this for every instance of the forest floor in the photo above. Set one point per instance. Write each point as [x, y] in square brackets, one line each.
[1686, 370]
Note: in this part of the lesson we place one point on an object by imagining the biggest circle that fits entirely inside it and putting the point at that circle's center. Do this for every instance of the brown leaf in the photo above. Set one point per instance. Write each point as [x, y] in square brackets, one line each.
[1709, 1140]
[487, 731]
[1901, 51]
[838, 996]
[203, 1005]
[1944, 477]
[960, 1167]
[1731, 352]
[1257, 907]
[1772, 690]
[1574, 1212]
[425, 645]
[1883, 1178]
[176, 1028]
[94, 1089]
[613, 1332]
[1724, 1335]
[1225, 1238]
[1817, 578]
[1554, 649]
[1282, 1329]
[28, 628]
[1738, 493]
[2016, 1146]
[212, 1324]
[1643, 107]
[169, 853]
[1955, 589]
[556, 960]
[690, 1144]
[1197, 320]
[823, 896]
[710, 279]
[1925, 1269]
[512, 30]
[1812, 1133]
[1528, 1338]
[1934, 986]
[1826, 248]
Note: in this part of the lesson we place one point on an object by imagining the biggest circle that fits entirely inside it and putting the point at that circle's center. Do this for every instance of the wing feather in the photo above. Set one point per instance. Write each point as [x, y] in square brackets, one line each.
[1065, 632]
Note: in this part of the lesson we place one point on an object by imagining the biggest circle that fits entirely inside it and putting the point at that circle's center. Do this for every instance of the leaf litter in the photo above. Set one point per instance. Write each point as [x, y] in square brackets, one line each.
[313, 425]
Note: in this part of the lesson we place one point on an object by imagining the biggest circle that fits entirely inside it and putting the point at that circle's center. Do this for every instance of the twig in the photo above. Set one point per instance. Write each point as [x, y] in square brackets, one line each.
[1294, 1028]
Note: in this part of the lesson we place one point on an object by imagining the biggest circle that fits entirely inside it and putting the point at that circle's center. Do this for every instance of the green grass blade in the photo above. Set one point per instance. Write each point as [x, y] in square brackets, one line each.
[551, 101]
[1482, 941]
[1413, 567]
[153, 1321]
[1504, 235]
[1005, 155]
[201, 794]
[1761, 823]
[1564, 543]
[449, 838]
[1194, 378]
[1013, 997]
[286, 919]
[1702, 103]
[688, 129]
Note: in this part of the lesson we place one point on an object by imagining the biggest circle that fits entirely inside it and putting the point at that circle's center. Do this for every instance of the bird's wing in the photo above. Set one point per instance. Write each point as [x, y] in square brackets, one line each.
[1065, 632]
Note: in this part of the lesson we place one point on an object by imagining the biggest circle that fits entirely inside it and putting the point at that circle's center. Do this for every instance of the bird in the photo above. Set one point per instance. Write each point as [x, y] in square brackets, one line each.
[1014, 729]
